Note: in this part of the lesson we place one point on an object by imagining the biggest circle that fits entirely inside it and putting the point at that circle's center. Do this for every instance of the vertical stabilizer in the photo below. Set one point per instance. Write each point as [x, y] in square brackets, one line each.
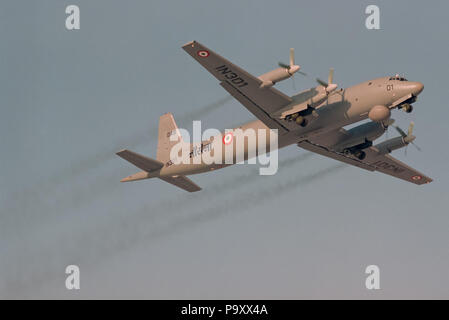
[169, 135]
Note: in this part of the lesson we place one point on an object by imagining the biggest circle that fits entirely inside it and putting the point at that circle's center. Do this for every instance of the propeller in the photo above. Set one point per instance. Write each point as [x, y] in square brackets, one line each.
[329, 85]
[408, 137]
[292, 67]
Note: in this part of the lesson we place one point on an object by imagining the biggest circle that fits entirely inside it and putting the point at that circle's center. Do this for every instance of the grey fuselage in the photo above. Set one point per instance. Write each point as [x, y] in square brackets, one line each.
[341, 108]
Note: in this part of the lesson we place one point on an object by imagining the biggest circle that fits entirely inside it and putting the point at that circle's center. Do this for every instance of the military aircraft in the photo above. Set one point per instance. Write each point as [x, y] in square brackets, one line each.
[313, 120]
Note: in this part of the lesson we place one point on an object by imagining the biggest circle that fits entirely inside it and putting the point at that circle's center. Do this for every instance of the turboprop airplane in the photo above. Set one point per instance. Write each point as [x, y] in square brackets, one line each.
[313, 120]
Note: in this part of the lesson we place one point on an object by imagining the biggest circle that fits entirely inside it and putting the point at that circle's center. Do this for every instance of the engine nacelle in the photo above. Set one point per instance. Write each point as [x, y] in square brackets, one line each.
[379, 113]
[358, 136]
[276, 75]
[392, 144]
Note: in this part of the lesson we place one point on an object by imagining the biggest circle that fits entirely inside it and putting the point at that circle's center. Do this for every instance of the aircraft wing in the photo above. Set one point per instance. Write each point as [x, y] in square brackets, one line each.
[374, 161]
[242, 85]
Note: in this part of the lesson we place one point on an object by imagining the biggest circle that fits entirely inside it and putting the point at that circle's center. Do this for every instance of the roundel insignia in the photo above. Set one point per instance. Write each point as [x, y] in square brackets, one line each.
[416, 178]
[203, 53]
[227, 138]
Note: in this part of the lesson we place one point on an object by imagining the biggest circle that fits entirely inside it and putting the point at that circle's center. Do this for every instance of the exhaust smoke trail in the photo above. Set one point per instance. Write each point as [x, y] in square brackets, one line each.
[102, 241]
[30, 196]
[36, 210]
[39, 211]
[207, 109]
[245, 201]
[165, 208]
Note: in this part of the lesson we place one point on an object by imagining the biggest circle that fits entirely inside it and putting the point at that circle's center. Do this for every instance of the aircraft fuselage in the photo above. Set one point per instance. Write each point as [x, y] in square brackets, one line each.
[341, 108]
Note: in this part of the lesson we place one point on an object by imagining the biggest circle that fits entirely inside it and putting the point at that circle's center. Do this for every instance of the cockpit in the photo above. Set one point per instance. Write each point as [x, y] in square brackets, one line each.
[398, 78]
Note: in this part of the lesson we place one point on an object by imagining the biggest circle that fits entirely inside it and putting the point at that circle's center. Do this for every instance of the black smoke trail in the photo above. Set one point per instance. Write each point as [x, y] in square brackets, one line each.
[37, 194]
[101, 242]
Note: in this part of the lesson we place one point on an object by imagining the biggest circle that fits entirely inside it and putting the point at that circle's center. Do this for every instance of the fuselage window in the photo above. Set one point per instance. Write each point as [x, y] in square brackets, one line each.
[397, 78]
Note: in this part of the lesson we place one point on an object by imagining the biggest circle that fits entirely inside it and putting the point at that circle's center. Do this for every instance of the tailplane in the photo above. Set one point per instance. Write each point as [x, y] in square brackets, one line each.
[150, 167]
[169, 135]
[140, 161]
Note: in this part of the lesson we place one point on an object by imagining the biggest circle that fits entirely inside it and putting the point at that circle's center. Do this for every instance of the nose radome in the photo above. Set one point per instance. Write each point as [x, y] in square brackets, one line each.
[418, 87]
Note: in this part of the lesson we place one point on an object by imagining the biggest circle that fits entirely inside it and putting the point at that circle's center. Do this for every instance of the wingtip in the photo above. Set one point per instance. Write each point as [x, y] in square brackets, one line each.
[191, 43]
[122, 152]
[129, 178]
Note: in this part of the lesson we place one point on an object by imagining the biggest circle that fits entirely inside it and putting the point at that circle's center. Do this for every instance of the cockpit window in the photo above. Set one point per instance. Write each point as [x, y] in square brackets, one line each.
[398, 78]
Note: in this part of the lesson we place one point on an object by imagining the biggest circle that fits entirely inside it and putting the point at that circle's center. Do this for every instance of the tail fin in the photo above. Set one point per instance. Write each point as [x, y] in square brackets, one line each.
[169, 135]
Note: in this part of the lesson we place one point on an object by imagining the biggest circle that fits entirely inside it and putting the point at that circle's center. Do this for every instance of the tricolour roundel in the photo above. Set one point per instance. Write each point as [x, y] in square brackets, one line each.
[227, 138]
[416, 178]
[203, 53]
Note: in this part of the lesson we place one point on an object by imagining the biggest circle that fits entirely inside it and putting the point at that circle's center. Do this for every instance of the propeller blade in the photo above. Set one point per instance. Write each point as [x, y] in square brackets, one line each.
[401, 132]
[410, 128]
[329, 86]
[292, 56]
[331, 75]
[321, 82]
[303, 73]
[416, 146]
[408, 134]
[283, 65]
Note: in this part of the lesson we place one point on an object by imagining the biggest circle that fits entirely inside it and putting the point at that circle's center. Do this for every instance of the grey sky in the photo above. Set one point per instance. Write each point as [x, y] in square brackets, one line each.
[69, 99]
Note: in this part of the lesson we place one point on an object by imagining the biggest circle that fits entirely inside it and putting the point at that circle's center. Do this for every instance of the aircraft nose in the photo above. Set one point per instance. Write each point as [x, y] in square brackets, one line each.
[418, 87]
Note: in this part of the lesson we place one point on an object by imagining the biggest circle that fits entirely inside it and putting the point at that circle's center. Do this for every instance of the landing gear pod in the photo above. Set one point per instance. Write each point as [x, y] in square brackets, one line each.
[300, 120]
[407, 107]
[359, 154]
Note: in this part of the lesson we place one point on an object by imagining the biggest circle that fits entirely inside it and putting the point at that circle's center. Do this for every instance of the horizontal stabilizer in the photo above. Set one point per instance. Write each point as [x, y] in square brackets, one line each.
[137, 176]
[140, 161]
[151, 169]
[182, 182]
